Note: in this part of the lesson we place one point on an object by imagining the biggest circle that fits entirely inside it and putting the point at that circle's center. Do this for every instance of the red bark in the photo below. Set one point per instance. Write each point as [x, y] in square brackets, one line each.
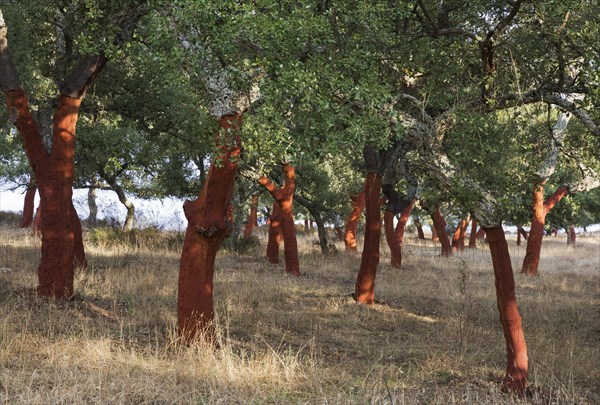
[473, 236]
[37, 222]
[358, 204]
[439, 224]
[365, 281]
[434, 234]
[28, 205]
[284, 195]
[401, 225]
[208, 225]
[515, 379]
[571, 237]
[521, 232]
[252, 218]
[536, 234]
[79, 258]
[458, 239]
[275, 236]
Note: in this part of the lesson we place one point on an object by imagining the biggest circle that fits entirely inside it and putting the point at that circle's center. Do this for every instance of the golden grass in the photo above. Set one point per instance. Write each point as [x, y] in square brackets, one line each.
[434, 337]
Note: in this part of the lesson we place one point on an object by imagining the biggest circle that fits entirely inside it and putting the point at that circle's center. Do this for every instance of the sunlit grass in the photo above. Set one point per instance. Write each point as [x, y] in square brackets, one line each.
[434, 336]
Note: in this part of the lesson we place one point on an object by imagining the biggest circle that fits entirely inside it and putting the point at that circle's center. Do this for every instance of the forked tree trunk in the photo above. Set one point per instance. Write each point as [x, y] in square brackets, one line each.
[396, 204]
[536, 233]
[358, 204]
[439, 224]
[252, 217]
[420, 233]
[275, 236]
[208, 225]
[515, 379]
[473, 235]
[285, 197]
[458, 239]
[365, 281]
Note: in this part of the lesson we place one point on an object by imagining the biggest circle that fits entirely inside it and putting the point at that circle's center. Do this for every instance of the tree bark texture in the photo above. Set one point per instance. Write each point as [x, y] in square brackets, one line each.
[536, 234]
[473, 235]
[358, 204]
[208, 225]
[439, 224]
[275, 236]
[365, 281]
[515, 379]
[28, 205]
[284, 196]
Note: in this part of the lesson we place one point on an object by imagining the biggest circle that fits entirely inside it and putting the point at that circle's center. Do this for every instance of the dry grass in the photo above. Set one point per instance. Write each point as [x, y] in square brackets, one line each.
[434, 338]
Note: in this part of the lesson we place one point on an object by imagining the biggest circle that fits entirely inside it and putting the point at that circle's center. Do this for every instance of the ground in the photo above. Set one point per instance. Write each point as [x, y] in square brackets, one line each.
[434, 337]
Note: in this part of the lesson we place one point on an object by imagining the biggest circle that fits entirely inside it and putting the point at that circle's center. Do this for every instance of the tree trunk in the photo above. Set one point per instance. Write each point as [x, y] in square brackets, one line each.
[536, 234]
[392, 241]
[252, 217]
[420, 233]
[28, 205]
[322, 232]
[208, 225]
[306, 226]
[129, 217]
[79, 257]
[458, 239]
[521, 232]
[365, 281]
[285, 197]
[93, 206]
[515, 379]
[571, 236]
[275, 236]
[358, 204]
[473, 235]
[480, 233]
[401, 226]
[37, 222]
[439, 224]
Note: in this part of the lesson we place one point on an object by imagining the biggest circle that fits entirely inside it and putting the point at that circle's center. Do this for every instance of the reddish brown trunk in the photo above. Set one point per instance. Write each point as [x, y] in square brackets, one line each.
[252, 218]
[390, 236]
[515, 379]
[434, 234]
[571, 237]
[365, 282]
[480, 233]
[28, 205]
[55, 179]
[285, 197]
[358, 204]
[439, 224]
[473, 236]
[521, 233]
[79, 257]
[37, 222]
[401, 225]
[420, 233]
[458, 239]
[207, 227]
[536, 234]
[275, 236]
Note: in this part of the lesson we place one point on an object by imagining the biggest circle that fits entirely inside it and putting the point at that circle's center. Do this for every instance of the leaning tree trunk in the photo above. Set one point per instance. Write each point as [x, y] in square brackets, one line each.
[420, 233]
[358, 204]
[399, 233]
[275, 236]
[130, 215]
[536, 233]
[473, 235]
[521, 232]
[252, 218]
[365, 281]
[515, 379]
[439, 224]
[208, 225]
[28, 205]
[285, 198]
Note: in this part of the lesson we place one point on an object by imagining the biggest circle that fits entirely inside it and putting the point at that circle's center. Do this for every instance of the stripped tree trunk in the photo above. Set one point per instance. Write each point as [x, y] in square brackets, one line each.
[536, 234]
[439, 224]
[365, 282]
[515, 379]
[358, 204]
[473, 235]
[275, 236]
[521, 232]
[396, 205]
[28, 204]
[458, 239]
[208, 225]
[252, 218]
[284, 196]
